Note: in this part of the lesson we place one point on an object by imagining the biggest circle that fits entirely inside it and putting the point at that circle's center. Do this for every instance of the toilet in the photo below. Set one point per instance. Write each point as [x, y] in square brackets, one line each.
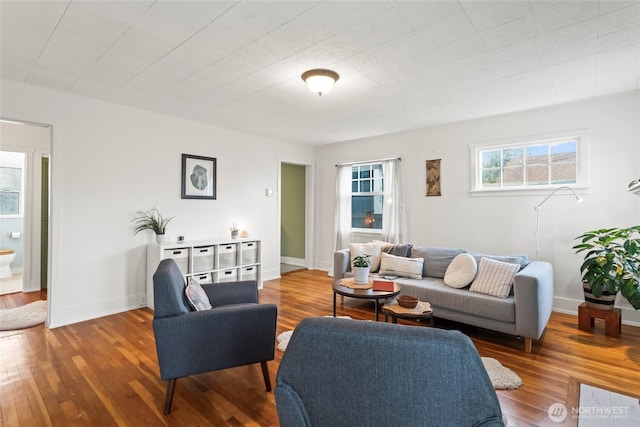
[6, 258]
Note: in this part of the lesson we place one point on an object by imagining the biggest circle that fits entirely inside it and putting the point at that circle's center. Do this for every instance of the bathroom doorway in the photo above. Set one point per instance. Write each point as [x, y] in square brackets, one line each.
[24, 205]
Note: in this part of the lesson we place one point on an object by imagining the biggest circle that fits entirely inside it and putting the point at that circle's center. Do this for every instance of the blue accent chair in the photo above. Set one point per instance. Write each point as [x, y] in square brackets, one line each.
[342, 372]
[236, 331]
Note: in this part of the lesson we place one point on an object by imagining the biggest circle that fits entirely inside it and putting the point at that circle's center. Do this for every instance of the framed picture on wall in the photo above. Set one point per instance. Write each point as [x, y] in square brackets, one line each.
[198, 177]
[433, 178]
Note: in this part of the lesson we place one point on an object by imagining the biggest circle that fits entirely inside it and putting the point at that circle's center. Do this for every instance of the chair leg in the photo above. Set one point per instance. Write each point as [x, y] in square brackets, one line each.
[265, 374]
[171, 386]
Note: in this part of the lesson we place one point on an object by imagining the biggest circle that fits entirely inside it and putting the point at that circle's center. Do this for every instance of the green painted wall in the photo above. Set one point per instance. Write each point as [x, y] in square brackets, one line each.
[293, 212]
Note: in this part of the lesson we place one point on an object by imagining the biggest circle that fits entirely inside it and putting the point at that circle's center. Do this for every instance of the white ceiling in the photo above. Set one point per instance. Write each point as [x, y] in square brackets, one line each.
[402, 65]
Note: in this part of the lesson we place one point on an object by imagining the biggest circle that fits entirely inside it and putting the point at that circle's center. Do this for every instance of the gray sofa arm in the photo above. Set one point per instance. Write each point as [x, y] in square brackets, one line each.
[533, 293]
[341, 264]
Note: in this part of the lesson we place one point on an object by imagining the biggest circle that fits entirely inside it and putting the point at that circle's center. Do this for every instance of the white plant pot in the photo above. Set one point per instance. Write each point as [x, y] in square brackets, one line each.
[361, 275]
[159, 238]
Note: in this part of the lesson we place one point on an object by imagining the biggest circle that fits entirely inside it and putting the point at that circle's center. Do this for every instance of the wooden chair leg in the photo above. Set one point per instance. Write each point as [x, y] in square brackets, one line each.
[171, 386]
[528, 341]
[265, 374]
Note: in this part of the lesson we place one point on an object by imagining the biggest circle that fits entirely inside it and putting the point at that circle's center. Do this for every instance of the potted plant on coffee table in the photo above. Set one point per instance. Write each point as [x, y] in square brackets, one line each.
[152, 220]
[611, 265]
[361, 265]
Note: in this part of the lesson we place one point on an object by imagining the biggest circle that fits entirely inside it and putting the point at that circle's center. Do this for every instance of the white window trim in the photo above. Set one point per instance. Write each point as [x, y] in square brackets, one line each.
[582, 173]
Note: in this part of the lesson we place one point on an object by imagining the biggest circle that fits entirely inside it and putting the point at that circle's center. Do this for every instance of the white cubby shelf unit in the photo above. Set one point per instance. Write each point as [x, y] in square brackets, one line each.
[208, 261]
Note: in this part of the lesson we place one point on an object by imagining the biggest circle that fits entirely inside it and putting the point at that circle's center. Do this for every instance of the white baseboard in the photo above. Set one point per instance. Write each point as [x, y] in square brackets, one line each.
[293, 261]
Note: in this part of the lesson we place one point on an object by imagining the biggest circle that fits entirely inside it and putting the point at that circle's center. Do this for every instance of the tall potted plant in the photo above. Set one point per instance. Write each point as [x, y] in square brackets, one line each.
[152, 220]
[361, 265]
[611, 265]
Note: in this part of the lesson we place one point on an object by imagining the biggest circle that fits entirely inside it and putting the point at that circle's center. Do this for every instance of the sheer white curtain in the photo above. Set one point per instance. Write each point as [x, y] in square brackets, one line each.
[342, 218]
[393, 224]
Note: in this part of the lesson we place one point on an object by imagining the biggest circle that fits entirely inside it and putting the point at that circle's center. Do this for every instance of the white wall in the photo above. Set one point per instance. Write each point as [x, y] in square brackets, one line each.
[108, 161]
[504, 225]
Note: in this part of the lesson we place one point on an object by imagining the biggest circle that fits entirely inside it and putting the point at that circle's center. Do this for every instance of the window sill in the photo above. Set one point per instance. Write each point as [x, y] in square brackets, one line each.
[366, 232]
[538, 191]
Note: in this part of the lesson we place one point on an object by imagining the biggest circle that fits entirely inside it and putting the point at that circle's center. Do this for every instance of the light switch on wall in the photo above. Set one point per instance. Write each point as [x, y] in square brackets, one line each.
[268, 192]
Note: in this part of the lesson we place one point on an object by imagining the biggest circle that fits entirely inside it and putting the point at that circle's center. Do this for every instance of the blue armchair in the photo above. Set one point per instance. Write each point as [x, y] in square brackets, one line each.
[236, 331]
[341, 372]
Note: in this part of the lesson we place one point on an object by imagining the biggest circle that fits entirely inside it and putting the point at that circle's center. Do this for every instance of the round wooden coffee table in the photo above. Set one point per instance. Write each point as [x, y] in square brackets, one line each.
[369, 294]
[418, 313]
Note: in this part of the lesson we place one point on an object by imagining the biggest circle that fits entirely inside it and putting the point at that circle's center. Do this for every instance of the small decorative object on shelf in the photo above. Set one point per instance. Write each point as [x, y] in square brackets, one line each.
[234, 230]
[152, 220]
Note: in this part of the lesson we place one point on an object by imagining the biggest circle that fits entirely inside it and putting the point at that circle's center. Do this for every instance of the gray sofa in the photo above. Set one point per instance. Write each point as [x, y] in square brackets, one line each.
[525, 312]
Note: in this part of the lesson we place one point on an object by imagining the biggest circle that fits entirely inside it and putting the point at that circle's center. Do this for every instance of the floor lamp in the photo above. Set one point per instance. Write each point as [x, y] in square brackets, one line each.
[537, 209]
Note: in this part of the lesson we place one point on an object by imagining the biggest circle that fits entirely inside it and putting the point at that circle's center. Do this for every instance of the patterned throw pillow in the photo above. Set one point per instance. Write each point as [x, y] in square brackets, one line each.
[391, 265]
[494, 278]
[397, 249]
[197, 296]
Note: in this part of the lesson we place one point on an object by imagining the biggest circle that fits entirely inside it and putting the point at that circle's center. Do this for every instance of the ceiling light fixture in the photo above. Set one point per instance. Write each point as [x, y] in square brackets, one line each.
[320, 81]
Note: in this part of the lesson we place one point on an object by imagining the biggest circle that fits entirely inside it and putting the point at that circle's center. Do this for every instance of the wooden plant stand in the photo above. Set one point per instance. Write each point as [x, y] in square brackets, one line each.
[612, 319]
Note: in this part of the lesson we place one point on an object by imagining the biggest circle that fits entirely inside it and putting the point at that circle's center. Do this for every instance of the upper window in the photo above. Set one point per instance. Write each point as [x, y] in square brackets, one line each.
[367, 184]
[527, 165]
[10, 189]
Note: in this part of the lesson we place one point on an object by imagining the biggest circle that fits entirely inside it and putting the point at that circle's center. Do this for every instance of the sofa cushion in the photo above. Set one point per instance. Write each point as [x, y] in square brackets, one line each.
[461, 271]
[436, 260]
[392, 265]
[197, 296]
[523, 260]
[441, 296]
[494, 278]
[372, 249]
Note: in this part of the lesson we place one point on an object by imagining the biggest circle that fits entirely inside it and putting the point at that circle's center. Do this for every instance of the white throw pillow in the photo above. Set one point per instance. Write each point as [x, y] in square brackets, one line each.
[461, 271]
[197, 296]
[494, 277]
[371, 249]
[391, 265]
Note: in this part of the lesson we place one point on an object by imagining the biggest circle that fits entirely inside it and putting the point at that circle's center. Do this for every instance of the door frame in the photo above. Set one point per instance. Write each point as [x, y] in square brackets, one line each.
[309, 196]
[32, 211]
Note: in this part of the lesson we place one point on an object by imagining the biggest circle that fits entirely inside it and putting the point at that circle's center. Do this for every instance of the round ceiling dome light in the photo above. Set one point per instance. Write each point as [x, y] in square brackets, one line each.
[320, 81]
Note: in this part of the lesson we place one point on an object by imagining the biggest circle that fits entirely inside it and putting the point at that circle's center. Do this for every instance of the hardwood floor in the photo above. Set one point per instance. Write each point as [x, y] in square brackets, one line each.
[104, 371]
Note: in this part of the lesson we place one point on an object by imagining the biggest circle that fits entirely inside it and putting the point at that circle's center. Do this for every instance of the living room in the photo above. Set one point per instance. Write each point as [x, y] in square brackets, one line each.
[110, 160]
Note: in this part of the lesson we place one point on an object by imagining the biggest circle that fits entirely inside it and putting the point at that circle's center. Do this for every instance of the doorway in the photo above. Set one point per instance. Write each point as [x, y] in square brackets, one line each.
[24, 189]
[295, 180]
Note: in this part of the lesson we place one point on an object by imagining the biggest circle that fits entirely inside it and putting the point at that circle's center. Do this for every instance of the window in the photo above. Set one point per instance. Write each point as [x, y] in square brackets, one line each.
[10, 189]
[367, 185]
[545, 163]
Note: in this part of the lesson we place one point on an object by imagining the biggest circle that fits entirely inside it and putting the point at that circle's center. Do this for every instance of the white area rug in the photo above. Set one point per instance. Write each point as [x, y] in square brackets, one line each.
[501, 377]
[23, 317]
